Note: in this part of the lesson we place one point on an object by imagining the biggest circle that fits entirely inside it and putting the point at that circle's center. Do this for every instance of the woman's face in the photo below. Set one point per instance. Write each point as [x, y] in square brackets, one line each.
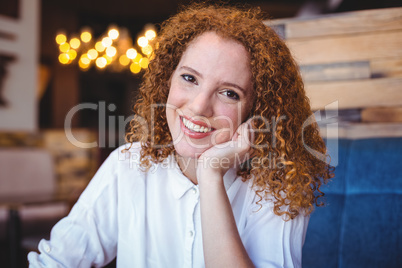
[210, 94]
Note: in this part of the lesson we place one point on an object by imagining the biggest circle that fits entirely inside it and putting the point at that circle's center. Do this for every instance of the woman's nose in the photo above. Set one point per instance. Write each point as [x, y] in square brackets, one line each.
[201, 104]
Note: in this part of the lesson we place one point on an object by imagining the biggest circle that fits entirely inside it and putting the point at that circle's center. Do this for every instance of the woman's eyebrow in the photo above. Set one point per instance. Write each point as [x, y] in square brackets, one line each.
[191, 70]
[223, 83]
[235, 86]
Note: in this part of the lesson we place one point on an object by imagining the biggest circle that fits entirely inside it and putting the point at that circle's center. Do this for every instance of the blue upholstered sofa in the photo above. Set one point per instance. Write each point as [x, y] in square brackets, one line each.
[361, 224]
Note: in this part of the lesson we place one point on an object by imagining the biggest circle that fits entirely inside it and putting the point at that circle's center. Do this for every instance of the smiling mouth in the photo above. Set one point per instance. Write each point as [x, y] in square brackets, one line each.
[194, 127]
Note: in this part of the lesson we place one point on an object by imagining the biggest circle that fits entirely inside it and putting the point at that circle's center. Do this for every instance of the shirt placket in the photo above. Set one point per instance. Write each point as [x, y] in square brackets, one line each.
[190, 226]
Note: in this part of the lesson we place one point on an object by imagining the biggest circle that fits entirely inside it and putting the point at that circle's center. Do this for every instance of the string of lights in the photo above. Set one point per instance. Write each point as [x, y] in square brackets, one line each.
[113, 50]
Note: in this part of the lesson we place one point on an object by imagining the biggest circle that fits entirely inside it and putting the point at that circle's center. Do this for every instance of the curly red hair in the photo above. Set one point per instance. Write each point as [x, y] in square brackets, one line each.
[279, 95]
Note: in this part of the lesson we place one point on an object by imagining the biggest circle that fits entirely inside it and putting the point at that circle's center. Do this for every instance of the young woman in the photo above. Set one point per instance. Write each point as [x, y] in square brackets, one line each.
[216, 172]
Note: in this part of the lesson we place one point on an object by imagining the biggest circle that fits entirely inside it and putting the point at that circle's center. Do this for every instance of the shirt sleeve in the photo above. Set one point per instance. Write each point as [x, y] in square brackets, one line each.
[87, 237]
[271, 241]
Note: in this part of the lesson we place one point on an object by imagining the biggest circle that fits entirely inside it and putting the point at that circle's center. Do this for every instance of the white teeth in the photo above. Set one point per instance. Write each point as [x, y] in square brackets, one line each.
[194, 127]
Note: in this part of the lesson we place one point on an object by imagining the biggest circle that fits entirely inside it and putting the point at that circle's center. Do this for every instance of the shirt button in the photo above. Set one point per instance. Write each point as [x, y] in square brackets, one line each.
[194, 190]
[47, 248]
[191, 233]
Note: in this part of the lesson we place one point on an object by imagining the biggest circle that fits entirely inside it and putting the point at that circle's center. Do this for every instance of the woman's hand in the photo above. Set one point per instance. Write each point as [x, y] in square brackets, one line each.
[221, 157]
[217, 218]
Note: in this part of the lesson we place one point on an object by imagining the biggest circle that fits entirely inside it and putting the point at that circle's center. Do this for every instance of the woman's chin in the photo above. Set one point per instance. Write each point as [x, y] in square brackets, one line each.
[189, 151]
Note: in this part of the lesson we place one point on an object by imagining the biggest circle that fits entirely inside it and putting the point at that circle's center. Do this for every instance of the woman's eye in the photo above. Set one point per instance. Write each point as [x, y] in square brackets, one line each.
[189, 78]
[231, 94]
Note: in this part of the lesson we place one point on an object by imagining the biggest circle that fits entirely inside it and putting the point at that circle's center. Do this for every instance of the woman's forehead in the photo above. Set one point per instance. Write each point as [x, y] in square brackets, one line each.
[212, 54]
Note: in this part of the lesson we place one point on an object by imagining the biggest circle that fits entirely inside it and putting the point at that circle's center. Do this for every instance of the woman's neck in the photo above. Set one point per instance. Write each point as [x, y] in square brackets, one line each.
[188, 166]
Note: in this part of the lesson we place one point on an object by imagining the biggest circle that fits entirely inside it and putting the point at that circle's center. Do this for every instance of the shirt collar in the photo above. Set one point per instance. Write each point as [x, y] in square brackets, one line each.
[180, 184]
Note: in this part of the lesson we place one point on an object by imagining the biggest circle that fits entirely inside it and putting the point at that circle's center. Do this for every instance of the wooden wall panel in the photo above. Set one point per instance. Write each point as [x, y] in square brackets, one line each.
[347, 47]
[356, 94]
[354, 59]
[336, 71]
[363, 130]
[382, 114]
[341, 24]
[386, 67]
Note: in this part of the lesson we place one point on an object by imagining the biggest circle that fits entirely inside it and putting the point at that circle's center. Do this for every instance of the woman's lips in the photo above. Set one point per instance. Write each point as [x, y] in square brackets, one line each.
[196, 129]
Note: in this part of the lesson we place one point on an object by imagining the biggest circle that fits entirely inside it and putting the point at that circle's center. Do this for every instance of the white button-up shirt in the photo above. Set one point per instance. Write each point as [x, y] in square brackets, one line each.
[152, 219]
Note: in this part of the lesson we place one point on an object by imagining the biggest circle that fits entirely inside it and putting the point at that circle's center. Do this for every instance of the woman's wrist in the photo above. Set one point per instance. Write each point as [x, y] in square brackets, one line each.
[218, 164]
[209, 178]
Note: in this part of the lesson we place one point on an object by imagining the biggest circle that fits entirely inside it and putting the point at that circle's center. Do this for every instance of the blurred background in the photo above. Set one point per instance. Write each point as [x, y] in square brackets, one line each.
[70, 71]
